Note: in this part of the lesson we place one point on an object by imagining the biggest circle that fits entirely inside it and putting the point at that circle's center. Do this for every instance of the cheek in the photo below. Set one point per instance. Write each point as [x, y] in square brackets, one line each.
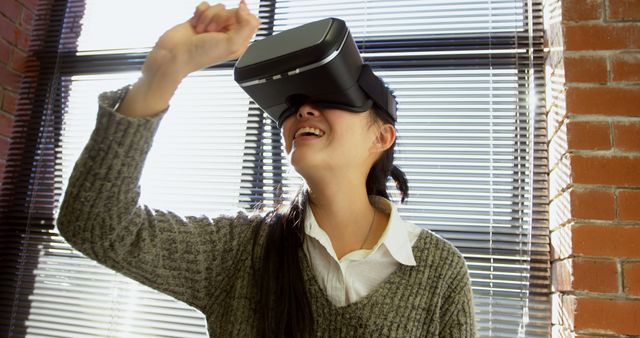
[352, 144]
[349, 130]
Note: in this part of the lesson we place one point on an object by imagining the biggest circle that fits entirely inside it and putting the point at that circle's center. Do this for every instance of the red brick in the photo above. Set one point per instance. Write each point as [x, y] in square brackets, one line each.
[588, 135]
[591, 68]
[632, 278]
[2, 169]
[624, 10]
[27, 19]
[624, 101]
[22, 39]
[610, 170]
[19, 61]
[590, 36]
[11, 9]
[6, 124]
[592, 204]
[625, 67]
[9, 79]
[629, 205]
[614, 316]
[577, 10]
[30, 4]
[595, 275]
[626, 136]
[5, 52]
[4, 147]
[9, 102]
[7, 30]
[606, 240]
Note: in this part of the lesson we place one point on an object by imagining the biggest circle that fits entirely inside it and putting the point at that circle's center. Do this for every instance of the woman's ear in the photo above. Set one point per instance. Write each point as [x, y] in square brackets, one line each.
[385, 138]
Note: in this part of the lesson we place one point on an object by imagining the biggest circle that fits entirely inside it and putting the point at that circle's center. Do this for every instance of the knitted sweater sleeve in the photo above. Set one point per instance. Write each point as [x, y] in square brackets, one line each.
[185, 257]
[457, 316]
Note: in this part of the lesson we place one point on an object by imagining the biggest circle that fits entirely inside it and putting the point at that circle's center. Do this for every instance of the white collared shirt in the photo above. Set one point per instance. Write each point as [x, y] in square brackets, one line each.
[359, 272]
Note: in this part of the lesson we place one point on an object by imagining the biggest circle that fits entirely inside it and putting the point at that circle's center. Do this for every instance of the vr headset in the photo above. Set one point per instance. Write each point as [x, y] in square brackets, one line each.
[317, 62]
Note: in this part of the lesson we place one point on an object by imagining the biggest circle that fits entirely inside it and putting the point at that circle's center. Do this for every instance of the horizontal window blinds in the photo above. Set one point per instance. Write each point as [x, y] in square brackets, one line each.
[471, 139]
[406, 19]
[118, 26]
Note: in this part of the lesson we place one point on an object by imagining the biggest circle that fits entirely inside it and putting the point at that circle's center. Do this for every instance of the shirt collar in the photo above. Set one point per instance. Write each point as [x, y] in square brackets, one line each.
[395, 237]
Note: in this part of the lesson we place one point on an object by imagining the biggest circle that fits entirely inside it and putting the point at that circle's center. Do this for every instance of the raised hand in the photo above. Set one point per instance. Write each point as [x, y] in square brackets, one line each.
[213, 35]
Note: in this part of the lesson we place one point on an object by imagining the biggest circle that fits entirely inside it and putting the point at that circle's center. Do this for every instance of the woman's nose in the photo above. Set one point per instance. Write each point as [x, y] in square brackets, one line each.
[307, 110]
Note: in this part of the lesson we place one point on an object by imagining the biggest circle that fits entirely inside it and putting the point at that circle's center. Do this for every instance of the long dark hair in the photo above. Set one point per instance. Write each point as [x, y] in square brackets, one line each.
[284, 308]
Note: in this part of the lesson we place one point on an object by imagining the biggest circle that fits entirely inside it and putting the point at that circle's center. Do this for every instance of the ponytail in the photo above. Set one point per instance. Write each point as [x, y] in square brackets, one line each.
[401, 182]
[283, 306]
[384, 167]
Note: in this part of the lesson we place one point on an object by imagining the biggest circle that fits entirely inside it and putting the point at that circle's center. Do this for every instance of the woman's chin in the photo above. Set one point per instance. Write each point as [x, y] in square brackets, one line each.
[305, 163]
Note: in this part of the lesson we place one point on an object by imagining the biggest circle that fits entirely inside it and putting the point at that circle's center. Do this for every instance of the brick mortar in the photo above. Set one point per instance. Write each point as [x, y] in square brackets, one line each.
[600, 295]
[609, 152]
[617, 84]
[599, 52]
[609, 118]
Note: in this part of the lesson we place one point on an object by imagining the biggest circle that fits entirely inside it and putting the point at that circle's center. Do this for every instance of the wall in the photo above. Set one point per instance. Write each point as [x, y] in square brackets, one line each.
[16, 22]
[593, 105]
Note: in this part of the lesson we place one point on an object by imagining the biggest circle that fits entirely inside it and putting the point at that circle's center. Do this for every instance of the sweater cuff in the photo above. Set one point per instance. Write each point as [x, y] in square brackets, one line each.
[134, 133]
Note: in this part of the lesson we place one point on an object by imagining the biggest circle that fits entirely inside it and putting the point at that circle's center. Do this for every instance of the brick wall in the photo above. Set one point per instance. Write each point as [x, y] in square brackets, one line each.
[593, 105]
[16, 22]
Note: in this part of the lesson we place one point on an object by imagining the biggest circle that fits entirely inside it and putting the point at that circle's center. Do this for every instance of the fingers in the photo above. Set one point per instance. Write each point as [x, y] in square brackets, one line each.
[214, 18]
[247, 25]
[201, 7]
[221, 21]
[209, 17]
[245, 17]
[238, 25]
[198, 12]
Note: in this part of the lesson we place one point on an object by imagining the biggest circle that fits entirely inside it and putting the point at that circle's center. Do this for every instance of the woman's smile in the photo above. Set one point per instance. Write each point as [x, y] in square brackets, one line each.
[306, 138]
[306, 133]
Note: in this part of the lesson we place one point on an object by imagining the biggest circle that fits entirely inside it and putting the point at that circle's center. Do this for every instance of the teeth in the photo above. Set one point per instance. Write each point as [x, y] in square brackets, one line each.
[314, 131]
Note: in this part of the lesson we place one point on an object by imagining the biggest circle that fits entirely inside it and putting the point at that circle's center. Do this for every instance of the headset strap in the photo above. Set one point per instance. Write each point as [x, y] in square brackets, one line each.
[377, 90]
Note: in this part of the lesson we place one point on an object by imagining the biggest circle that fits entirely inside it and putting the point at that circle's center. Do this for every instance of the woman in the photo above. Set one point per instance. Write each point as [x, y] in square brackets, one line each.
[338, 262]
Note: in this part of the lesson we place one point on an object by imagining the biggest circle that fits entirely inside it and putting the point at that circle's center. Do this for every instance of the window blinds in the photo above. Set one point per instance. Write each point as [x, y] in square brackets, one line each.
[471, 139]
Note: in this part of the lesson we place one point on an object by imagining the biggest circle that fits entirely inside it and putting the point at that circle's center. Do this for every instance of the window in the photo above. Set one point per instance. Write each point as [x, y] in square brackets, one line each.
[468, 78]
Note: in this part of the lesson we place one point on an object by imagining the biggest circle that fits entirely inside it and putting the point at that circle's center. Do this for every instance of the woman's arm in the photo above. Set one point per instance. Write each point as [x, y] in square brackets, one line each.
[100, 215]
[101, 218]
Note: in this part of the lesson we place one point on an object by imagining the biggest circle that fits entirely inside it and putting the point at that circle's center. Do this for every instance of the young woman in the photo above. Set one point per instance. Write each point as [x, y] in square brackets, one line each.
[339, 261]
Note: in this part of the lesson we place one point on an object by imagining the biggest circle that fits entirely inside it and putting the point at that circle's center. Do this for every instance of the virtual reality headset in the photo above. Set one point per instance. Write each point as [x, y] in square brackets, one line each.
[318, 63]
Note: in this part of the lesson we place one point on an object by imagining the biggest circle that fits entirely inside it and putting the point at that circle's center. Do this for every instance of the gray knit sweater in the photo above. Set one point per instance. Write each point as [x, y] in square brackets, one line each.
[207, 262]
